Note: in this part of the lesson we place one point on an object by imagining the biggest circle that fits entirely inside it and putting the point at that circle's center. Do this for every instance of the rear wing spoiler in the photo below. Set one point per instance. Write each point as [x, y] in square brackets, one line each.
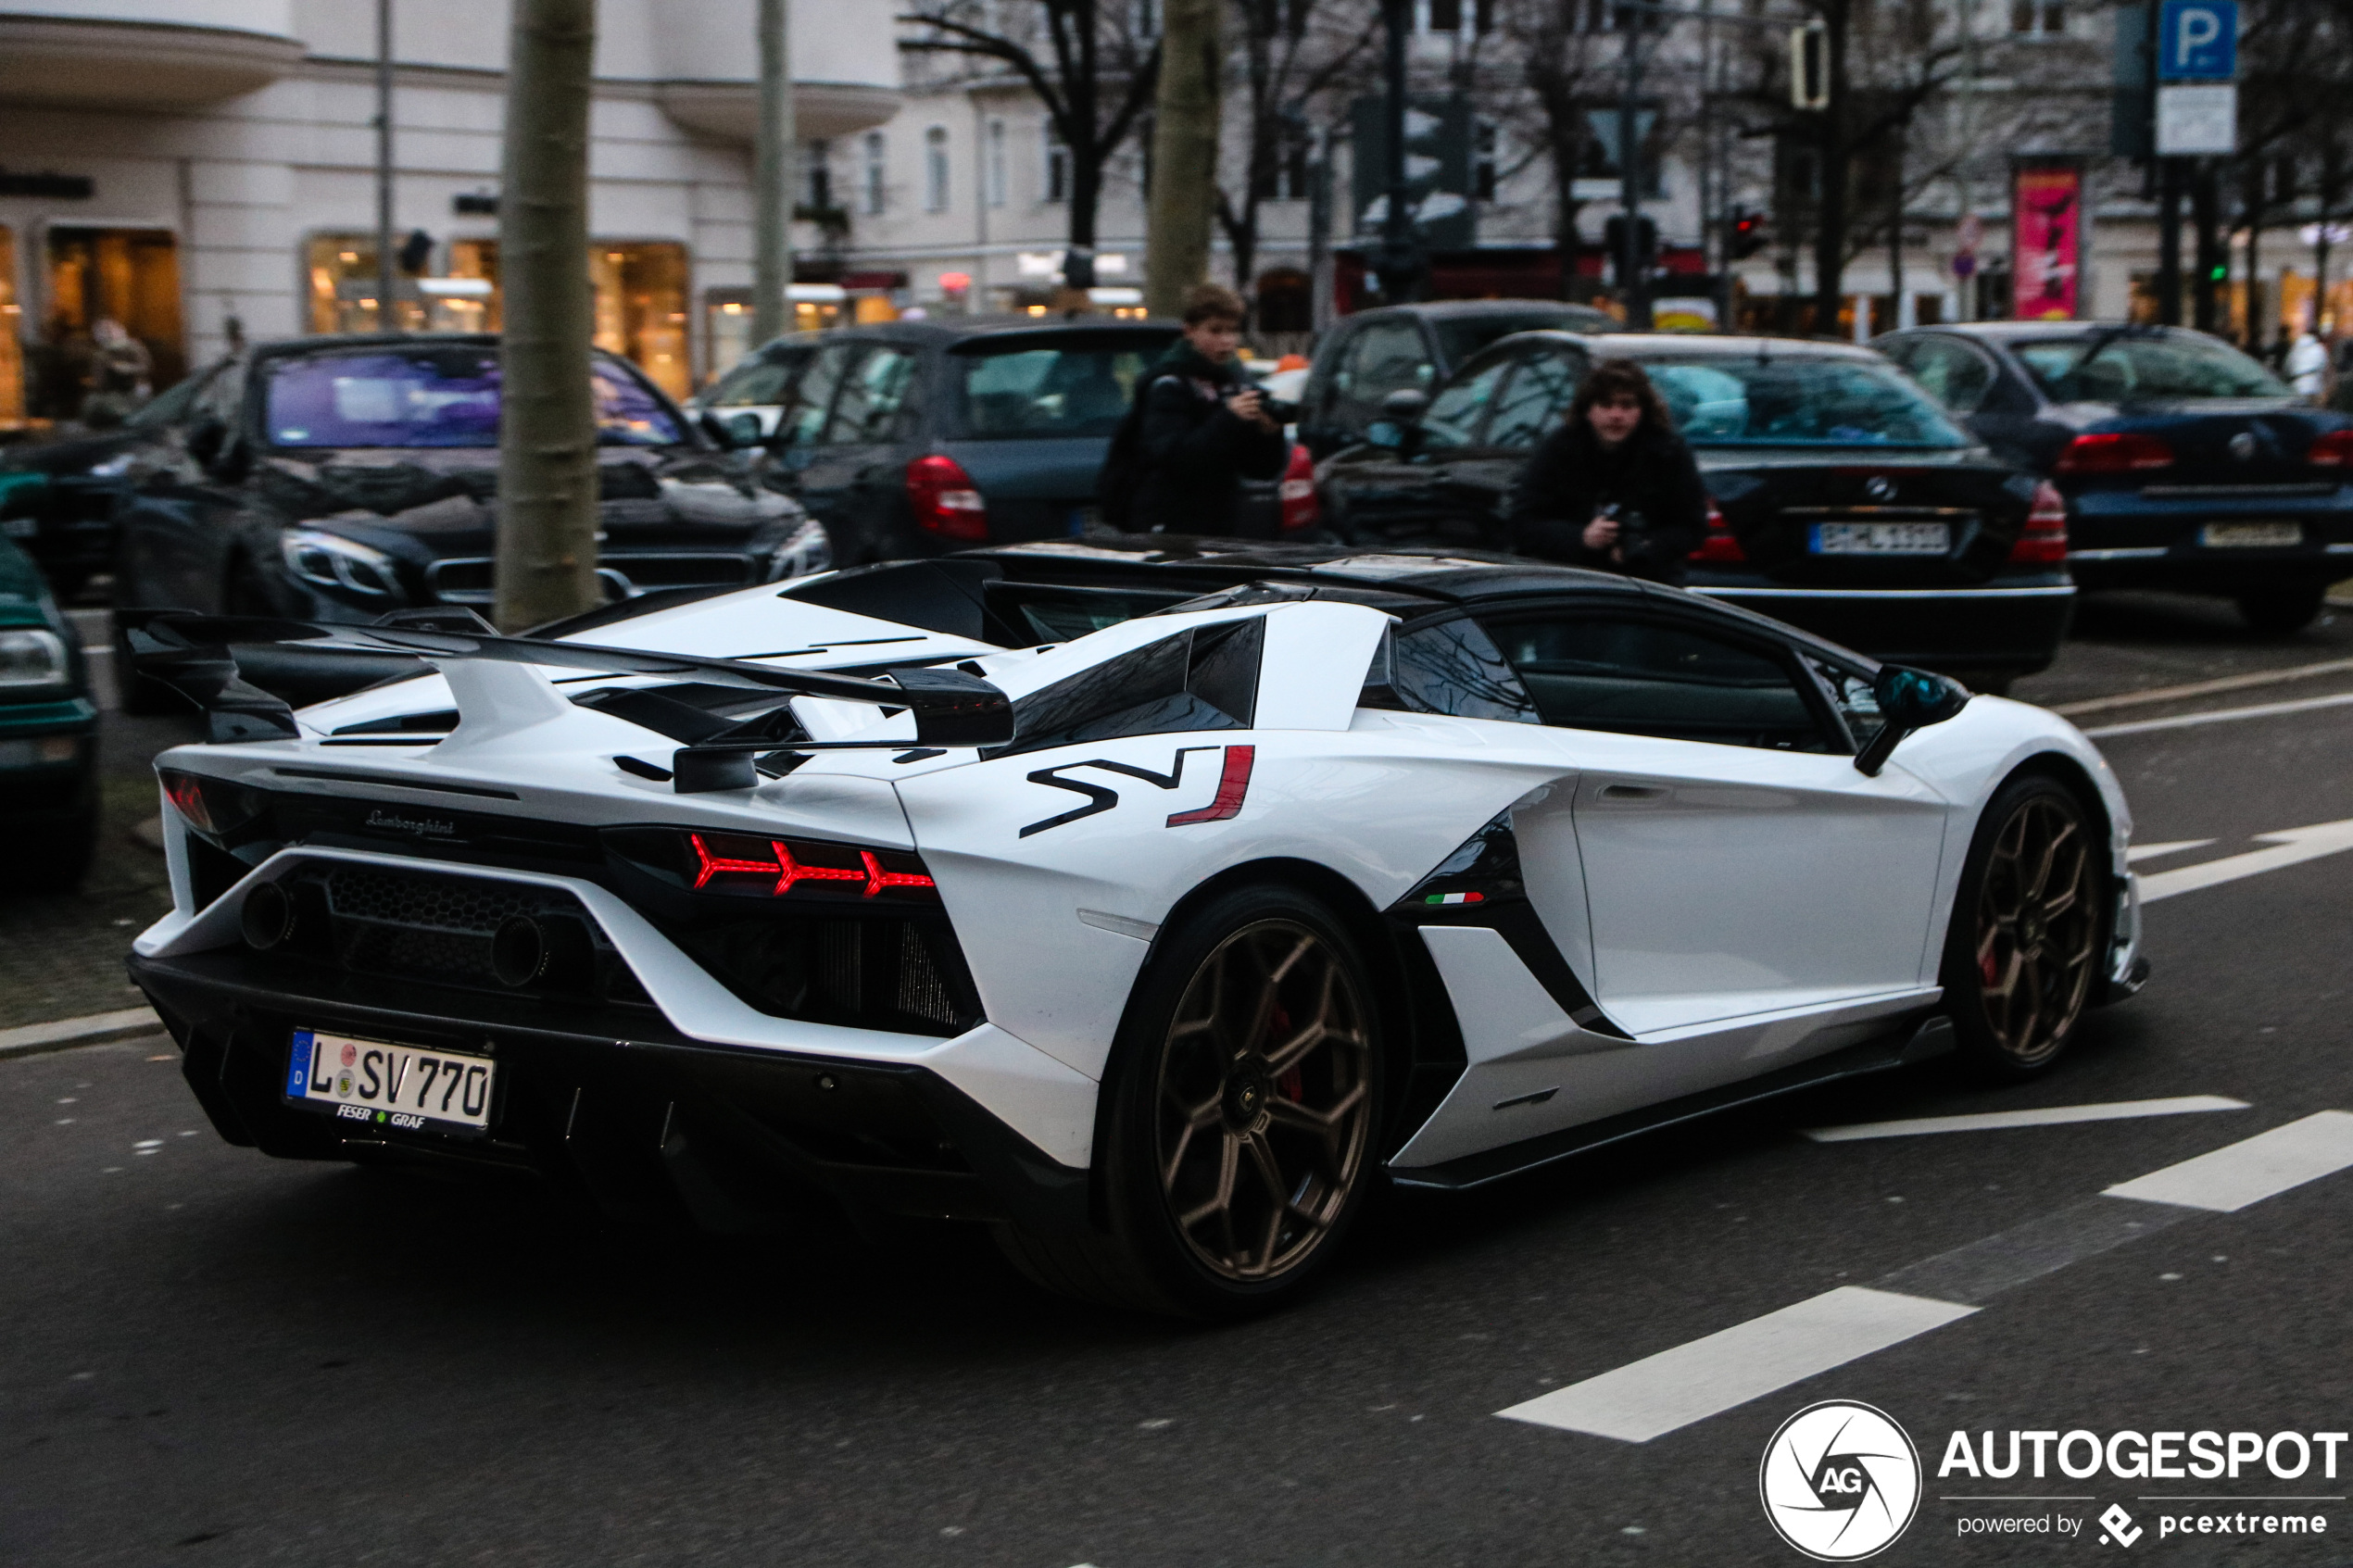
[196, 655]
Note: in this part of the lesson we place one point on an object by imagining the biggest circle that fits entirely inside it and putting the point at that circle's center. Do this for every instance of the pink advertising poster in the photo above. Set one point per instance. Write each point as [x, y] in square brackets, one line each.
[2045, 226]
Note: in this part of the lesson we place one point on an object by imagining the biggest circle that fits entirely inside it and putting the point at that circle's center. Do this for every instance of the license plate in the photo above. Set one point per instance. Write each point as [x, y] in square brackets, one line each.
[1881, 539]
[388, 1086]
[2250, 536]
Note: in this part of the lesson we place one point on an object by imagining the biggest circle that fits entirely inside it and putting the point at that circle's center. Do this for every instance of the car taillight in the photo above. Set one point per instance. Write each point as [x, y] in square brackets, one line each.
[186, 794]
[2043, 540]
[211, 806]
[775, 868]
[1720, 546]
[2111, 451]
[945, 501]
[1298, 490]
[2331, 451]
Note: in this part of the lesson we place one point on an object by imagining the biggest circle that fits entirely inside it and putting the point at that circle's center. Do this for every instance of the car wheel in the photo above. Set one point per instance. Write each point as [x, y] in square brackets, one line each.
[1237, 1130]
[2029, 926]
[2281, 608]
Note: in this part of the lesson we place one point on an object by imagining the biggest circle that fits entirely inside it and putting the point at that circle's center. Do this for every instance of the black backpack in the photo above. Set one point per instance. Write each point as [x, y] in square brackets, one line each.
[1123, 468]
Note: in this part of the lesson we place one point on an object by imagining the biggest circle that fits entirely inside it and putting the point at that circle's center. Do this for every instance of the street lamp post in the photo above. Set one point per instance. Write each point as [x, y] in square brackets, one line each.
[388, 319]
[1401, 258]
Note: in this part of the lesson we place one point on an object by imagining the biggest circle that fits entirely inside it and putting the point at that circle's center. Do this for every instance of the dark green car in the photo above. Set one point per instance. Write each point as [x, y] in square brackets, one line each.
[48, 735]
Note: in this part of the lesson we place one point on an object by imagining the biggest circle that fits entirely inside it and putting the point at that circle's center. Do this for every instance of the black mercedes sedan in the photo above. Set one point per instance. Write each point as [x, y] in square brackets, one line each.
[2184, 464]
[1846, 501]
[336, 479]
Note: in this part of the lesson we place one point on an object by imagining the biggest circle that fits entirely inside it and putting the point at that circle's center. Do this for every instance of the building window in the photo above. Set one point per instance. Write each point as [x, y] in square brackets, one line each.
[1057, 165]
[936, 170]
[816, 170]
[463, 298]
[1286, 180]
[1605, 16]
[1485, 140]
[874, 175]
[639, 309]
[2045, 18]
[12, 323]
[1147, 16]
[993, 164]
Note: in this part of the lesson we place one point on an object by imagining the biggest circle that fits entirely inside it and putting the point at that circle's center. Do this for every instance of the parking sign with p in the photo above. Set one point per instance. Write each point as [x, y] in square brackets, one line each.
[2198, 41]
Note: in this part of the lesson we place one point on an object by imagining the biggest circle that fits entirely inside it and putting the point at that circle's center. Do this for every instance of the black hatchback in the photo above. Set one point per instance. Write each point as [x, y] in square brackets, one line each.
[915, 438]
[1845, 501]
[2184, 464]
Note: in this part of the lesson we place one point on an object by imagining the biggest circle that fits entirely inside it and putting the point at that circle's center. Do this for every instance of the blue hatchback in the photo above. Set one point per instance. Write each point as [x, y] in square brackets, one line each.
[2184, 464]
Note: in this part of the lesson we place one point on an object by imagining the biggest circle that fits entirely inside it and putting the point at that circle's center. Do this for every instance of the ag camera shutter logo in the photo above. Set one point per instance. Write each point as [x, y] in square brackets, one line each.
[1840, 1481]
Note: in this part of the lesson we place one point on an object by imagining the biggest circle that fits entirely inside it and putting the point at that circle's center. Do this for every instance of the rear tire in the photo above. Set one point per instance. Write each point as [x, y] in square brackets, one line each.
[1237, 1135]
[2282, 609]
[2029, 923]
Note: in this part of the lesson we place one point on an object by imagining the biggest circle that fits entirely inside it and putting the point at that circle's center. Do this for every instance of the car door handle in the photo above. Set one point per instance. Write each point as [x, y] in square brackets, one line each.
[1633, 792]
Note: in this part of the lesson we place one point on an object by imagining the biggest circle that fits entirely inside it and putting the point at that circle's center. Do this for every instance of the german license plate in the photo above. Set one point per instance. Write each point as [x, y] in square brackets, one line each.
[388, 1085]
[1881, 539]
[2250, 536]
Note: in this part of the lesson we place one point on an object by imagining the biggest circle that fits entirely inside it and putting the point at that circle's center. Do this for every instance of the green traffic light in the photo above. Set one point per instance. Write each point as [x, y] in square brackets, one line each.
[2218, 273]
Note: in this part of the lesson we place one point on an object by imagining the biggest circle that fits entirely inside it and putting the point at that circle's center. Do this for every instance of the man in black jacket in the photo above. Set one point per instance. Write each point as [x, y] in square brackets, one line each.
[1203, 430]
[1613, 488]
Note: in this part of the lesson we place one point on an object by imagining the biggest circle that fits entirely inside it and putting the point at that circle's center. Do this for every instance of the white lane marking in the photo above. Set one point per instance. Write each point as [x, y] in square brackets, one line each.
[2289, 846]
[2221, 716]
[2140, 852]
[2204, 688]
[2050, 1116]
[1646, 1398]
[2256, 1168]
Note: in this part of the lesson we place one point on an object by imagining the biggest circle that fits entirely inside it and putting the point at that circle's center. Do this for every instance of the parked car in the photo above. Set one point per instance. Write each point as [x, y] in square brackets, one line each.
[2184, 463]
[339, 478]
[1846, 501]
[68, 526]
[1367, 355]
[756, 388]
[915, 438]
[48, 736]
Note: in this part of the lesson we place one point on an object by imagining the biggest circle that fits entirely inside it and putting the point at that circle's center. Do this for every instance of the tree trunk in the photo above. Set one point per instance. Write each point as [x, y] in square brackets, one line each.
[1184, 109]
[1830, 234]
[773, 179]
[548, 428]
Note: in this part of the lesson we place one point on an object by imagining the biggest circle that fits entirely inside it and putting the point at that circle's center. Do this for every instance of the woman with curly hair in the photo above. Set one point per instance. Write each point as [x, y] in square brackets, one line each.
[1614, 488]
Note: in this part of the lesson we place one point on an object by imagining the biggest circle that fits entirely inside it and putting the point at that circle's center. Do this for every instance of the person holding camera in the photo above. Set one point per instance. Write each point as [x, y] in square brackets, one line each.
[1614, 488]
[1201, 429]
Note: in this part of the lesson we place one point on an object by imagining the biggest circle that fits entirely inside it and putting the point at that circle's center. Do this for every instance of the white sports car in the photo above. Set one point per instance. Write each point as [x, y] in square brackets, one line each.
[1147, 907]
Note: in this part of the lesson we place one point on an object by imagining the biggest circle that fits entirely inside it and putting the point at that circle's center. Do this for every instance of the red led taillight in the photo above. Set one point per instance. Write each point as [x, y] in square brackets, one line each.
[1720, 546]
[186, 794]
[787, 865]
[2333, 449]
[2043, 540]
[1298, 492]
[2114, 451]
[945, 499]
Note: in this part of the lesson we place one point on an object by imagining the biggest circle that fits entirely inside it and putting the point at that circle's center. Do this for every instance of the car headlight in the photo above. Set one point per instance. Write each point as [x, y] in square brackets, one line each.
[330, 560]
[806, 550]
[32, 658]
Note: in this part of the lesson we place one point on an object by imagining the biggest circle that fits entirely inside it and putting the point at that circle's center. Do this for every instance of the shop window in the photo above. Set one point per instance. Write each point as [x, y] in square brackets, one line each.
[641, 308]
[127, 277]
[11, 324]
[461, 296]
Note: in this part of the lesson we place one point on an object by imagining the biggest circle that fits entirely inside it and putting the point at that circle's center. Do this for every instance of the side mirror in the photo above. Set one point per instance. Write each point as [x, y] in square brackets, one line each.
[1405, 406]
[1909, 699]
[1399, 427]
[204, 441]
[733, 432]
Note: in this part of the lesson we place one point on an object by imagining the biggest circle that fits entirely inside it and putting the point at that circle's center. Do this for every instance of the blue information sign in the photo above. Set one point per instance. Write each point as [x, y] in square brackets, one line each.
[2198, 41]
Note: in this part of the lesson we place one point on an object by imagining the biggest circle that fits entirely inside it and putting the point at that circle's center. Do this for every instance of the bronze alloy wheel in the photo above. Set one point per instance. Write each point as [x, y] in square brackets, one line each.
[1263, 1116]
[2038, 929]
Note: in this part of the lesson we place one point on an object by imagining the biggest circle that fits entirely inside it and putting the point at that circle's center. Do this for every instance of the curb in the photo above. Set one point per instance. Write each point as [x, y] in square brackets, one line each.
[65, 1034]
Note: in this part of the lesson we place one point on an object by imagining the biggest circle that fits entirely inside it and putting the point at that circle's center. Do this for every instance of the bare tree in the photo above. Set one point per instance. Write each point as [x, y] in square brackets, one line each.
[547, 423]
[1564, 75]
[1084, 60]
[1296, 54]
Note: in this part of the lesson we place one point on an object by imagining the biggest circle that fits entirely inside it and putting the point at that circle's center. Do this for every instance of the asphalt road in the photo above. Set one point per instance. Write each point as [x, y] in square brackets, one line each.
[218, 1359]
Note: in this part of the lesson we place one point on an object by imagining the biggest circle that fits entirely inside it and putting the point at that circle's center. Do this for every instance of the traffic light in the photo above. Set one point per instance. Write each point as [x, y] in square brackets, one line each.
[2220, 272]
[1746, 235]
[1646, 246]
[1438, 169]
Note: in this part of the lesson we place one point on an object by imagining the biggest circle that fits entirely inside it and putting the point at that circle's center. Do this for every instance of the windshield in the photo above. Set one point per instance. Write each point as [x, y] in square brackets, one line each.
[757, 383]
[1459, 337]
[2111, 368]
[432, 397]
[1066, 389]
[1732, 400]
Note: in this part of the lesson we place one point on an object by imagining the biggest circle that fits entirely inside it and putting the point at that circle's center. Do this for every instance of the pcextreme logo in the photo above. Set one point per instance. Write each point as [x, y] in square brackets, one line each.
[1840, 1481]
